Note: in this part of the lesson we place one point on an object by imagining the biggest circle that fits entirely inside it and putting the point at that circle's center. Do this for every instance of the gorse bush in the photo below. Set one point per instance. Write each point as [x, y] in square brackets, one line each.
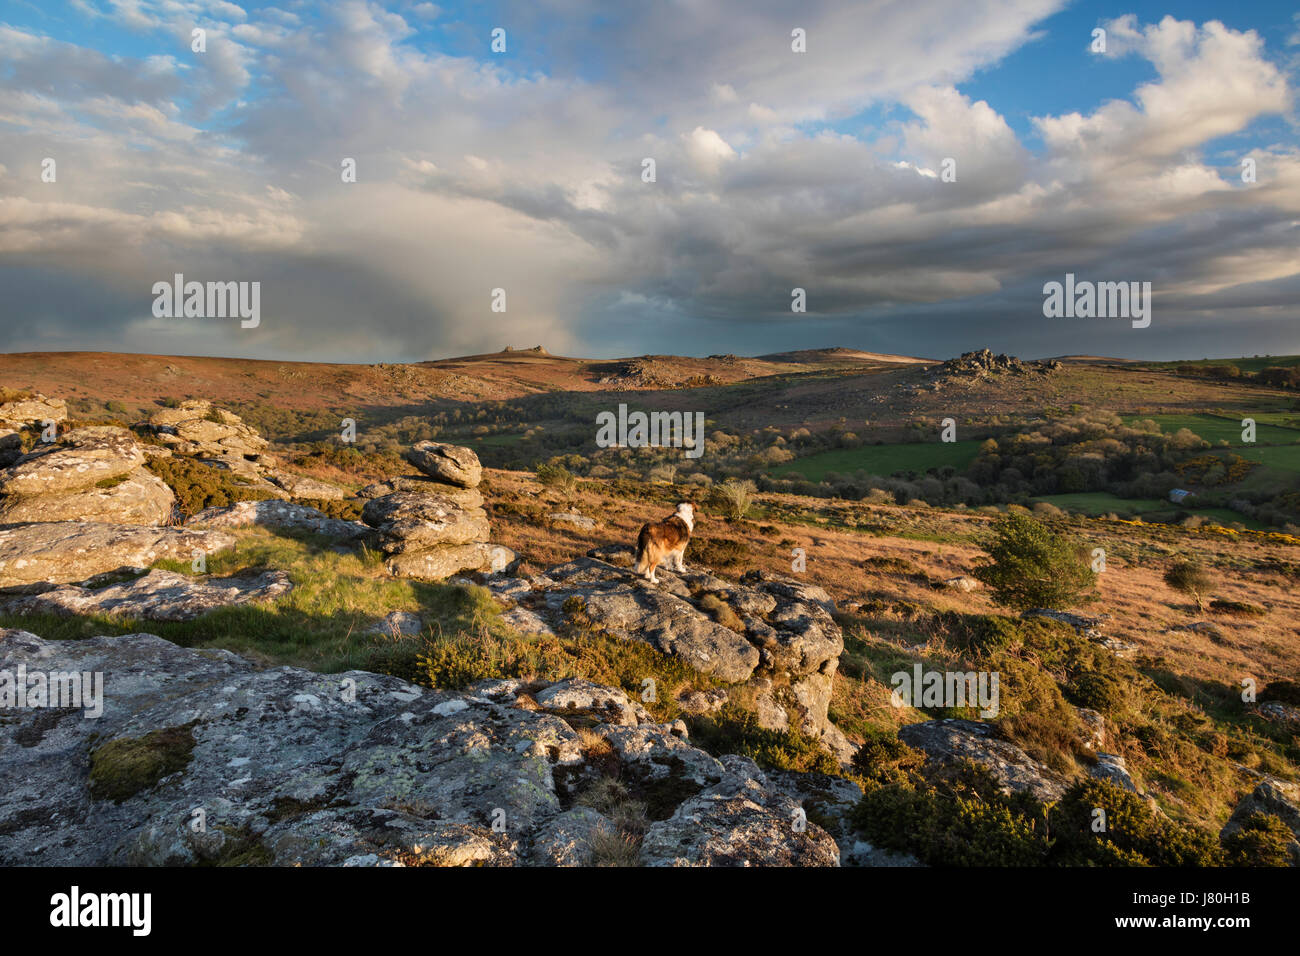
[1133, 833]
[958, 818]
[1032, 566]
[1262, 840]
[198, 486]
[1100, 692]
[735, 730]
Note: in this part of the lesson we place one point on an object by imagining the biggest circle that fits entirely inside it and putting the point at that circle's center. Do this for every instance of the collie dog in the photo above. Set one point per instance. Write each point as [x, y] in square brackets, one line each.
[665, 539]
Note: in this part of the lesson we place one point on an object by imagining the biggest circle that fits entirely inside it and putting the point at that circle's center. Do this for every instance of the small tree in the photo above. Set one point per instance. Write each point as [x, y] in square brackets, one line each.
[557, 477]
[736, 496]
[1032, 566]
[1192, 579]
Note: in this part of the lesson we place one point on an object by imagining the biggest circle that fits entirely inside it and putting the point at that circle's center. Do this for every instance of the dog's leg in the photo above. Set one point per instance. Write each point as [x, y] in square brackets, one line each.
[677, 561]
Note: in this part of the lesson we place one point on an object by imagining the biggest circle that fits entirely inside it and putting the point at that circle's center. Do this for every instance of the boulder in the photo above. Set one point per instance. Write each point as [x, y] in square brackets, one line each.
[157, 596]
[63, 551]
[452, 464]
[52, 469]
[953, 741]
[135, 498]
[424, 485]
[622, 605]
[279, 515]
[438, 564]
[199, 427]
[294, 768]
[398, 624]
[576, 697]
[1112, 767]
[300, 486]
[738, 821]
[573, 519]
[35, 410]
[407, 521]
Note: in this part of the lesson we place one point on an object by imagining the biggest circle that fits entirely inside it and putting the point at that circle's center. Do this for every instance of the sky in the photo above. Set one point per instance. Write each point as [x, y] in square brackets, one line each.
[522, 169]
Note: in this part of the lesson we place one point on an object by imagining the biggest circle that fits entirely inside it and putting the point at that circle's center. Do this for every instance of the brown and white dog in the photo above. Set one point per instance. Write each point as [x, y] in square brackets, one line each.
[664, 539]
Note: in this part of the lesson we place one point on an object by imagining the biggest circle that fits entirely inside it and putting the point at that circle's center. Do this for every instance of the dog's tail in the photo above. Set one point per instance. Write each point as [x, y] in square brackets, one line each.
[643, 550]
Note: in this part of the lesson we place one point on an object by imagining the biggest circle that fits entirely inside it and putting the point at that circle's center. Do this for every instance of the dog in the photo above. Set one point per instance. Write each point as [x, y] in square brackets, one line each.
[665, 539]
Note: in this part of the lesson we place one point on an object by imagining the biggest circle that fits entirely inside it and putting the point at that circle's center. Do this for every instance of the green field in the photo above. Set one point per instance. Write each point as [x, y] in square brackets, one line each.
[1245, 364]
[1281, 457]
[1269, 428]
[883, 460]
[501, 440]
[1103, 502]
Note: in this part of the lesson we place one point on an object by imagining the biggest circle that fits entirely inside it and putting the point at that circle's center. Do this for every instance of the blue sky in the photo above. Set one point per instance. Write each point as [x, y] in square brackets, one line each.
[522, 170]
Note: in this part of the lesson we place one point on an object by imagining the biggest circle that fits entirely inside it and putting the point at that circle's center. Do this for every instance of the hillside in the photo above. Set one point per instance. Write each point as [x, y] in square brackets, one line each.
[477, 554]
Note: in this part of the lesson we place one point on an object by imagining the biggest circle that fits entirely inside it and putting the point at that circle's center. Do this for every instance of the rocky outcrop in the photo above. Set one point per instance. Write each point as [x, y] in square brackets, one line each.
[773, 635]
[156, 596]
[281, 515]
[197, 427]
[953, 741]
[433, 526]
[219, 438]
[139, 498]
[201, 757]
[739, 821]
[92, 474]
[36, 409]
[983, 363]
[64, 551]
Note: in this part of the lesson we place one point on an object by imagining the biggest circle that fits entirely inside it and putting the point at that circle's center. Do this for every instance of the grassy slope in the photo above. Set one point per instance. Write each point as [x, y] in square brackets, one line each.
[883, 460]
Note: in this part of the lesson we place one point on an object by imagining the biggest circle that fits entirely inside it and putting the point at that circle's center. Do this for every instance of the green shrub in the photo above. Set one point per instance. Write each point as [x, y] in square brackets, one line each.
[883, 758]
[198, 486]
[1101, 692]
[1133, 832]
[717, 552]
[979, 634]
[557, 477]
[961, 818]
[1263, 840]
[735, 730]
[1238, 608]
[734, 497]
[344, 509]
[1190, 578]
[1031, 566]
[1283, 691]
